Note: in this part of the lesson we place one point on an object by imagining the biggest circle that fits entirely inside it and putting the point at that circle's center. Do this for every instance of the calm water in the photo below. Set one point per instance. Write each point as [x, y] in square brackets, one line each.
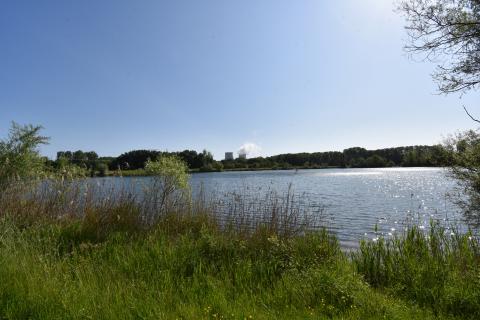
[353, 200]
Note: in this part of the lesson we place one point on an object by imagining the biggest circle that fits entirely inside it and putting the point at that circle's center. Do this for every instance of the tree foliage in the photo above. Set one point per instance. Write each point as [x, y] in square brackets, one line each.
[411, 156]
[137, 159]
[171, 170]
[82, 162]
[354, 157]
[170, 179]
[449, 31]
[465, 150]
[19, 155]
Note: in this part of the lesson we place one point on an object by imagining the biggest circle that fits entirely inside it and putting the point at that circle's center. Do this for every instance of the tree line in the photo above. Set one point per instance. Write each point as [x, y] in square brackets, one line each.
[411, 156]
[132, 160]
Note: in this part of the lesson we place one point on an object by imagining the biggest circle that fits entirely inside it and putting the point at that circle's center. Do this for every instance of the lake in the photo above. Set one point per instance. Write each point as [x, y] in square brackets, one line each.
[352, 201]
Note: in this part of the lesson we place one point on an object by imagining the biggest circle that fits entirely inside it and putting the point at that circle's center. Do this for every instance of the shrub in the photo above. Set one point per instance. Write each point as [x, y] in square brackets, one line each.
[464, 150]
[19, 155]
[170, 181]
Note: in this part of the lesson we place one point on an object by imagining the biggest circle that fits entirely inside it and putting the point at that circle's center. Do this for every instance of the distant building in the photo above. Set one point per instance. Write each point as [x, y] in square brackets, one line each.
[228, 155]
[242, 156]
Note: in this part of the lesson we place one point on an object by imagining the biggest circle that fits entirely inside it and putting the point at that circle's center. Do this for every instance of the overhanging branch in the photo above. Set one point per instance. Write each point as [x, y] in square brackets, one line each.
[471, 117]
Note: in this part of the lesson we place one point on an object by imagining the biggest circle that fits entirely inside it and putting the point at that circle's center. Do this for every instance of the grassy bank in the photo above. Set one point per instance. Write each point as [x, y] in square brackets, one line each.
[65, 258]
[195, 271]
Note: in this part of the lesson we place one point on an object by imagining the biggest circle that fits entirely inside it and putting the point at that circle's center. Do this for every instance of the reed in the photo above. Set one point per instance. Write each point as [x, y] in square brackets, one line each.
[73, 250]
[438, 268]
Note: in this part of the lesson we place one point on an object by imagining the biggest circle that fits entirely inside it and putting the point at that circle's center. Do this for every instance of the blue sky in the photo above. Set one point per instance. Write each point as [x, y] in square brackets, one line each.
[288, 76]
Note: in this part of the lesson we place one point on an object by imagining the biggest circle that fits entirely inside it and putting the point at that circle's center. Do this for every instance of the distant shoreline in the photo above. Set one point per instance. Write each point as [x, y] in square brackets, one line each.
[142, 173]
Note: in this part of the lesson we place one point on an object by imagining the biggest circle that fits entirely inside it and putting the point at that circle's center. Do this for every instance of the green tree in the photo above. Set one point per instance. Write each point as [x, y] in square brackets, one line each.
[79, 156]
[448, 29]
[91, 156]
[170, 180]
[376, 161]
[134, 159]
[19, 154]
[65, 169]
[101, 168]
[357, 162]
[410, 158]
[206, 158]
[464, 149]
[354, 153]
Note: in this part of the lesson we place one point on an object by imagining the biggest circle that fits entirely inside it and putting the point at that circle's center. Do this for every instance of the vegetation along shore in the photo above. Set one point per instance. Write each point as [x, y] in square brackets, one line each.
[153, 78]
[72, 251]
[132, 163]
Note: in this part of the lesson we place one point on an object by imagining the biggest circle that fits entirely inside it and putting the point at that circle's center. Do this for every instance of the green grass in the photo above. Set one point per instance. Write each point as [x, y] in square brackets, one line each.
[190, 268]
[66, 255]
[439, 270]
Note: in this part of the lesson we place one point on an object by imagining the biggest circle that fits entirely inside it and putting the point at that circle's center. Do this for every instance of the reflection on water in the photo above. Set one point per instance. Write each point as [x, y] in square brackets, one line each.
[349, 173]
[353, 200]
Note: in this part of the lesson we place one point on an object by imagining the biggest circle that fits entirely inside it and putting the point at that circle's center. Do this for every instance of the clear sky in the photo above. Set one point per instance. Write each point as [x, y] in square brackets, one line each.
[288, 76]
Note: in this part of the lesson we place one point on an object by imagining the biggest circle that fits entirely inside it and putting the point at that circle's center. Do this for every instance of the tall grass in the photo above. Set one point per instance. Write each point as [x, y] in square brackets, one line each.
[72, 251]
[439, 269]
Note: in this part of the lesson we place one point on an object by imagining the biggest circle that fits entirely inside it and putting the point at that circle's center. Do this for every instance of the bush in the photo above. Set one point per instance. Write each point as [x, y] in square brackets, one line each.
[102, 169]
[170, 180]
[464, 151]
[19, 155]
